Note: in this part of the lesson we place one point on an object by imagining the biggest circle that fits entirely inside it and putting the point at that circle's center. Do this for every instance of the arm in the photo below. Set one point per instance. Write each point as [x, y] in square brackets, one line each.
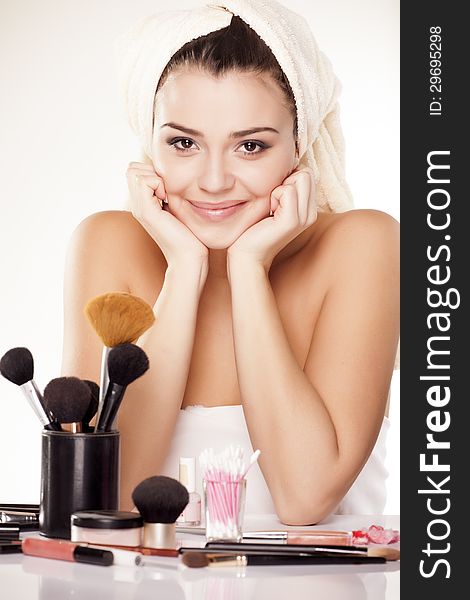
[111, 252]
[316, 426]
[148, 416]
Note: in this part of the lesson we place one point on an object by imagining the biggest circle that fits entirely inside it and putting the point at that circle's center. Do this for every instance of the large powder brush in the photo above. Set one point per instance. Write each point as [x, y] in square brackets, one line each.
[160, 500]
[117, 318]
[17, 365]
[68, 398]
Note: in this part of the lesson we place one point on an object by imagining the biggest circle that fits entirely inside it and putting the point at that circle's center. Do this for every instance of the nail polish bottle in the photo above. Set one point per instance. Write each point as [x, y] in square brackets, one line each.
[191, 515]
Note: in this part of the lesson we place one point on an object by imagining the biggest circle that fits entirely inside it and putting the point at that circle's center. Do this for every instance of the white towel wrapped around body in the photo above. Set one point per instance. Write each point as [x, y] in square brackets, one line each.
[144, 51]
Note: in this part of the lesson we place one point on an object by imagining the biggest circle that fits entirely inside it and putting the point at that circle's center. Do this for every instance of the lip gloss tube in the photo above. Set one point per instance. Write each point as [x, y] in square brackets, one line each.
[295, 537]
[63, 550]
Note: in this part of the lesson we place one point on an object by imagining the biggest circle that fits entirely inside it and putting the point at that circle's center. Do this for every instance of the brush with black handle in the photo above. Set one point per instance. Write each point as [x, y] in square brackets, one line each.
[126, 363]
[17, 365]
[203, 558]
[68, 398]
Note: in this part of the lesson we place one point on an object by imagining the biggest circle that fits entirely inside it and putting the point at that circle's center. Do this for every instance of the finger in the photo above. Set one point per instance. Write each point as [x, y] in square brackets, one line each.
[140, 165]
[145, 204]
[154, 182]
[312, 203]
[292, 176]
[141, 169]
[286, 195]
[304, 182]
[311, 213]
[151, 188]
[141, 198]
[303, 186]
[274, 203]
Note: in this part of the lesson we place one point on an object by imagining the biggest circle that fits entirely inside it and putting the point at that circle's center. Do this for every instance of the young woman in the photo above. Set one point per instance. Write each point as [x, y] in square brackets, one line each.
[276, 317]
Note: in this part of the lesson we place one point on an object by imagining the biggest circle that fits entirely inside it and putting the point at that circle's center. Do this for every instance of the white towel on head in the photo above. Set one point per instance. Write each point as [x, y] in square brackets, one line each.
[144, 51]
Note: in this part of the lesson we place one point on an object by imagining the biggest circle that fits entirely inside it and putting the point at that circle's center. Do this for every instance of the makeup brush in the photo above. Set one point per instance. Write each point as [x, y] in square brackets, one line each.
[117, 317]
[126, 363]
[68, 398]
[17, 365]
[160, 500]
[93, 406]
[202, 559]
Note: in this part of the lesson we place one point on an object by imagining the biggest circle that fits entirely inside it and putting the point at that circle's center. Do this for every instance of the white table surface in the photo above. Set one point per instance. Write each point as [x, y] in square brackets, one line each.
[31, 578]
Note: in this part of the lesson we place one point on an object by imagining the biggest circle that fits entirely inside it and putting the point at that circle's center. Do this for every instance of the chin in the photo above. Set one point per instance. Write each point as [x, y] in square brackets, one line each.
[216, 240]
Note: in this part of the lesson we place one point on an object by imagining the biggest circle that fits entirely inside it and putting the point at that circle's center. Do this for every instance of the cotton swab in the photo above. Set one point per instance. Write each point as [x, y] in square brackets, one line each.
[224, 477]
[253, 459]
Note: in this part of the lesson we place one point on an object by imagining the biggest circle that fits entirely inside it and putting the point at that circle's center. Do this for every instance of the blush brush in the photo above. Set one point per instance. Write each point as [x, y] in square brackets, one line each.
[17, 365]
[160, 500]
[68, 398]
[126, 363]
[117, 318]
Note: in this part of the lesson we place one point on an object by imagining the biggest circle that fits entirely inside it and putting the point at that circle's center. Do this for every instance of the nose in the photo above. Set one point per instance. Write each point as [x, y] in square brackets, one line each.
[216, 175]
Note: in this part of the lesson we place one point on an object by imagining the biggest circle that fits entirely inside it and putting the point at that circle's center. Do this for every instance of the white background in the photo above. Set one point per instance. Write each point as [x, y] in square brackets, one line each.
[65, 145]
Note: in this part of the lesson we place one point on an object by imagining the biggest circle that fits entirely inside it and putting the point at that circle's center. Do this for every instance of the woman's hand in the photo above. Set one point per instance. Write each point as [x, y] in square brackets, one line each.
[294, 209]
[149, 206]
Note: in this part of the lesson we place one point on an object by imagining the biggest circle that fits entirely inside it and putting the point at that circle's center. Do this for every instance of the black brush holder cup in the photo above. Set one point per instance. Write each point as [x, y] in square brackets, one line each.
[79, 471]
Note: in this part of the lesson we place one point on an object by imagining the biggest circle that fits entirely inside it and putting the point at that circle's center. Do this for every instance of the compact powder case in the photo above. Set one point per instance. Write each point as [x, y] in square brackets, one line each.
[116, 527]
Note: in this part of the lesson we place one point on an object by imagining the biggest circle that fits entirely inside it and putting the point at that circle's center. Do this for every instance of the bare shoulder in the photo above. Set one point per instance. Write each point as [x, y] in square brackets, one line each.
[111, 227]
[113, 243]
[363, 222]
[355, 235]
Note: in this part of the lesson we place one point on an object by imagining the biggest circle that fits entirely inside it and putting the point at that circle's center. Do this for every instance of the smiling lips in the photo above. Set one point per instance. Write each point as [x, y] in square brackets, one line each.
[219, 211]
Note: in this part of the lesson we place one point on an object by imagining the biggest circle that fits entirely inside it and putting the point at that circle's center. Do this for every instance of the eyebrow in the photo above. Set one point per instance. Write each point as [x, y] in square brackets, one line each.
[233, 134]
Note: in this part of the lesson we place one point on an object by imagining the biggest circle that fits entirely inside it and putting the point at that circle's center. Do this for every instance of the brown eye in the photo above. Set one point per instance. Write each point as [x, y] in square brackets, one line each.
[250, 147]
[186, 144]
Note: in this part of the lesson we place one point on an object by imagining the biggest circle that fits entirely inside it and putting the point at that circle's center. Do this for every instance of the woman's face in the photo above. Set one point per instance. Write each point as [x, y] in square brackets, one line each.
[209, 157]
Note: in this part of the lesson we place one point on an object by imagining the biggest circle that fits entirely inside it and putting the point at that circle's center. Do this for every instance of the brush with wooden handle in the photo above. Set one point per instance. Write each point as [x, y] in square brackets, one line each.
[118, 318]
[207, 558]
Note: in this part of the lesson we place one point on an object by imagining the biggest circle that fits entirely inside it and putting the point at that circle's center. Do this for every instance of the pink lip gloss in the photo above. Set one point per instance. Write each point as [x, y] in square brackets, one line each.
[218, 214]
[191, 515]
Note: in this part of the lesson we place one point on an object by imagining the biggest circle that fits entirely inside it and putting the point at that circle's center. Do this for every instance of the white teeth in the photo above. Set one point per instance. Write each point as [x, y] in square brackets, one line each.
[217, 212]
